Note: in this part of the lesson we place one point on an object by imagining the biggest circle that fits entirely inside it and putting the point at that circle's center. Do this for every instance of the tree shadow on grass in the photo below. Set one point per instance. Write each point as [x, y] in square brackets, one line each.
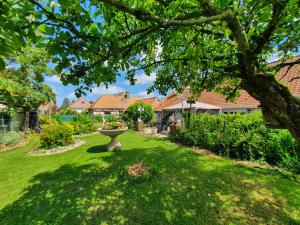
[97, 149]
[184, 192]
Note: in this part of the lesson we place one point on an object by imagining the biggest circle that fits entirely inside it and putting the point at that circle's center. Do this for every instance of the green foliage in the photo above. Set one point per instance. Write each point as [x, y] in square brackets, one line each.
[111, 118]
[113, 126]
[11, 138]
[56, 134]
[172, 43]
[15, 27]
[241, 137]
[22, 86]
[44, 120]
[83, 124]
[67, 111]
[132, 114]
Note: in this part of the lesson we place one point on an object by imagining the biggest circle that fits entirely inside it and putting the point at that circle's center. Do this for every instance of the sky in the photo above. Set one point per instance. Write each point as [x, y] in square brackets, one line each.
[121, 85]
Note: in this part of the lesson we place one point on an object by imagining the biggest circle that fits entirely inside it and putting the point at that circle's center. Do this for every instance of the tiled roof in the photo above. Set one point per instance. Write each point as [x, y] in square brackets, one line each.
[290, 76]
[80, 103]
[150, 101]
[118, 101]
[49, 106]
[121, 101]
[244, 100]
[171, 99]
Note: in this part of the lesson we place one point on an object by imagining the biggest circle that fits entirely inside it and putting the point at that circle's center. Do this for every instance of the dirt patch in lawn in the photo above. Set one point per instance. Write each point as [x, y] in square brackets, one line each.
[58, 150]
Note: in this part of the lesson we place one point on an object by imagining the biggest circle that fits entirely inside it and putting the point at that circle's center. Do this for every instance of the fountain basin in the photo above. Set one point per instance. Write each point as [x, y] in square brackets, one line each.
[114, 144]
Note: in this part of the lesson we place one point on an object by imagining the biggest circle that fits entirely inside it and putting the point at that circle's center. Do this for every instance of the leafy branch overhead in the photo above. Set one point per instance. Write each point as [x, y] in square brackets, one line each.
[93, 45]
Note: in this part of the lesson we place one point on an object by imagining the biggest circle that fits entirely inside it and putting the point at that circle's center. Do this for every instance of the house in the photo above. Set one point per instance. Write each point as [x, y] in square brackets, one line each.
[81, 105]
[118, 103]
[211, 102]
[47, 109]
[170, 108]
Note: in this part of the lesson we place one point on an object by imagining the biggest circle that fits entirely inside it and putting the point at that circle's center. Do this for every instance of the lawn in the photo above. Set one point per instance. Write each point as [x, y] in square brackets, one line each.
[82, 187]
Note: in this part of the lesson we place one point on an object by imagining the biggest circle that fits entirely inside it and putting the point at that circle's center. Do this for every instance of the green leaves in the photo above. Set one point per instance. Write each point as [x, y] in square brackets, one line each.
[92, 42]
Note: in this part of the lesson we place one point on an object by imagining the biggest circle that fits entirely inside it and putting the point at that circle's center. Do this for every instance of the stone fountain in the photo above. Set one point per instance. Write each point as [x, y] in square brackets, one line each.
[114, 144]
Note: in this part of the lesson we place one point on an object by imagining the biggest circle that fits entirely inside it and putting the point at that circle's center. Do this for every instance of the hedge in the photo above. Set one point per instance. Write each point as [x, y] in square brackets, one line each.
[241, 137]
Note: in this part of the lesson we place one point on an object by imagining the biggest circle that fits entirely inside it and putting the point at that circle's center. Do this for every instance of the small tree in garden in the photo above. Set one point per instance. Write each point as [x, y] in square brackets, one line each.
[132, 113]
[22, 83]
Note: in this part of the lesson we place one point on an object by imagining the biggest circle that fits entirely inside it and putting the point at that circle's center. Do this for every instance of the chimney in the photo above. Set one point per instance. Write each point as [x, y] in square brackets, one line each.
[127, 94]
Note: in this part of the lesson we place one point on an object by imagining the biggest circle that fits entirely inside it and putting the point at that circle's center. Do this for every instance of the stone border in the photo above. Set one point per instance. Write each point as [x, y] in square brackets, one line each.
[84, 135]
[58, 150]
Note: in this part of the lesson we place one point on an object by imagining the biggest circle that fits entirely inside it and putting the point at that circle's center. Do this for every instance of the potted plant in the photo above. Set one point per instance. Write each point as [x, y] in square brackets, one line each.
[113, 130]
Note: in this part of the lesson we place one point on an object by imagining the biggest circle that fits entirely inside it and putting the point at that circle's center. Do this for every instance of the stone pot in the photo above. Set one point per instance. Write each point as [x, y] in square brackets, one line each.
[113, 145]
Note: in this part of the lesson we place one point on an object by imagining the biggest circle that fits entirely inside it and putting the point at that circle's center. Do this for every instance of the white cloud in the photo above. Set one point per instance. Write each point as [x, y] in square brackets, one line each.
[53, 79]
[143, 79]
[109, 91]
[71, 95]
[143, 94]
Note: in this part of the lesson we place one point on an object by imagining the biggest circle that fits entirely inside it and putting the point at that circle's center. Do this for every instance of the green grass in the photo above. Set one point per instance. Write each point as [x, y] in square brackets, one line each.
[82, 187]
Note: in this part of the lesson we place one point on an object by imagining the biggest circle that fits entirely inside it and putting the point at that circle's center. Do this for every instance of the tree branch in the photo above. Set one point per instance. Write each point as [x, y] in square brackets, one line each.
[260, 42]
[144, 15]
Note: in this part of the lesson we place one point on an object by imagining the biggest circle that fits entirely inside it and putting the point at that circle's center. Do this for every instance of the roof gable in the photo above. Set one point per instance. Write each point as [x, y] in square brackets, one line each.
[80, 103]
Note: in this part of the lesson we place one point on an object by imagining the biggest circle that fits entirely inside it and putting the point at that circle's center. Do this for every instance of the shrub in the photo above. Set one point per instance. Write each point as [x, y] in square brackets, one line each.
[10, 138]
[67, 111]
[83, 124]
[112, 118]
[56, 134]
[241, 137]
[44, 120]
[132, 114]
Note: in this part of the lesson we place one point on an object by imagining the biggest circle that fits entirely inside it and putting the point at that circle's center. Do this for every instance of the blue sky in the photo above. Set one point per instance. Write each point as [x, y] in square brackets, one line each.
[139, 89]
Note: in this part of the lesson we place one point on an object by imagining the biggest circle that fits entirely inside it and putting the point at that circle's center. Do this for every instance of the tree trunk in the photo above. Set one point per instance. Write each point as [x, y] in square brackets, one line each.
[277, 100]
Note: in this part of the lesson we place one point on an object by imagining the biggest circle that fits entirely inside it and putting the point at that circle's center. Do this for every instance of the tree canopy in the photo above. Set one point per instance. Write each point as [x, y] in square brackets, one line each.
[220, 45]
[21, 85]
[132, 113]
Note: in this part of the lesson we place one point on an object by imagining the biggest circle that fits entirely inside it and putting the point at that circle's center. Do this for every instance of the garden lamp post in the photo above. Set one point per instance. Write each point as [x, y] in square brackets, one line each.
[141, 109]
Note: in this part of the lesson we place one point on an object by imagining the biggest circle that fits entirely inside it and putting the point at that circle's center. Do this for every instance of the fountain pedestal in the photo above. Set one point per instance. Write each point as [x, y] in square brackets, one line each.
[114, 144]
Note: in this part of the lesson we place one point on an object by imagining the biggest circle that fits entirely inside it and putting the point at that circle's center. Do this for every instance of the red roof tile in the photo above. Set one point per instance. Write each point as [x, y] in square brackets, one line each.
[80, 103]
[153, 101]
[290, 76]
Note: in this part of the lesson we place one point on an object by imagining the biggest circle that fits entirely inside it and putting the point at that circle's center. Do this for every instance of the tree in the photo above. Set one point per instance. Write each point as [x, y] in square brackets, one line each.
[219, 45]
[132, 113]
[22, 84]
[65, 104]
